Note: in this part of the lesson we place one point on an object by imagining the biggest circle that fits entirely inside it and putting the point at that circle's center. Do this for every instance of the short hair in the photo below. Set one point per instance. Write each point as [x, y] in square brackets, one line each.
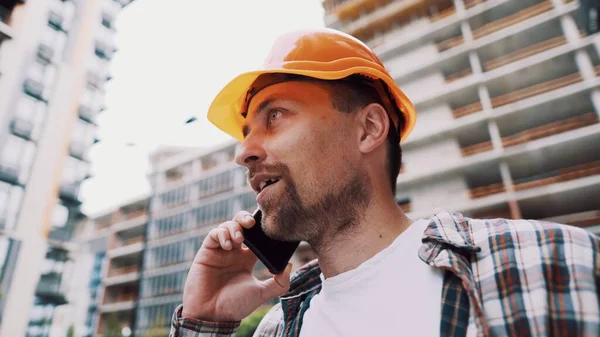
[351, 95]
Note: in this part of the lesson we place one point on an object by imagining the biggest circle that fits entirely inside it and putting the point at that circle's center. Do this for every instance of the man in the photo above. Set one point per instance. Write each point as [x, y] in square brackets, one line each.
[320, 127]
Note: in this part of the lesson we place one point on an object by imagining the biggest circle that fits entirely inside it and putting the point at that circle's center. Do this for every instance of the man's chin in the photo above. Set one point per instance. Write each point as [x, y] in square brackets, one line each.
[276, 231]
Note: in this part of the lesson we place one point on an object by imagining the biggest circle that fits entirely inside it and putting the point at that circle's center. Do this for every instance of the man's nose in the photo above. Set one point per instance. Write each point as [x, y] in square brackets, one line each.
[250, 151]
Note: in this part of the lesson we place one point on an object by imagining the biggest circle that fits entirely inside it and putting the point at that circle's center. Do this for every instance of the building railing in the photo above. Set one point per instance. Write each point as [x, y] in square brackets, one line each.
[120, 298]
[496, 25]
[548, 178]
[471, 3]
[466, 110]
[450, 43]
[124, 243]
[510, 20]
[443, 14]
[476, 148]
[458, 75]
[123, 270]
[520, 94]
[484, 191]
[524, 52]
[557, 176]
[550, 129]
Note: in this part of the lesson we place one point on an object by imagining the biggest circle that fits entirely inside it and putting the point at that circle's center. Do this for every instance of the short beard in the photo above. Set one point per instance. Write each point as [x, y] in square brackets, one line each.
[337, 212]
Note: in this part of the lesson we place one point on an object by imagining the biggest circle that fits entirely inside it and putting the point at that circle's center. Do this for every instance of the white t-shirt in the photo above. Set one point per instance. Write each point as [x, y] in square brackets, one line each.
[392, 294]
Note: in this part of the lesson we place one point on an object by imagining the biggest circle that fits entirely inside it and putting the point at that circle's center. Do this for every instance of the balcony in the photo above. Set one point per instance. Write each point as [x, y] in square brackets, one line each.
[22, 128]
[119, 302]
[9, 173]
[103, 50]
[70, 192]
[55, 20]
[351, 9]
[557, 176]
[87, 114]
[34, 88]
[524, 52]
[128, 242]
[45, 52]
[122, 275]
[550, 129]
[127, 247]
[510, 20]
[95, 80]
[49, 289]
[78, 150]
[486, 190]
[387, 15]
[521, 94]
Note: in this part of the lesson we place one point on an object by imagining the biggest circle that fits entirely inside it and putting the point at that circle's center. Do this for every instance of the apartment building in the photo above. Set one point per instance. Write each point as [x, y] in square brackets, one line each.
[507, 98]
[194, 190]
[54, 58]
[110, 263]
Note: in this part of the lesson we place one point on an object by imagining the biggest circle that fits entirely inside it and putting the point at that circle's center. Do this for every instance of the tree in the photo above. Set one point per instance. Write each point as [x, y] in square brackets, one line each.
[112, 326]
[71, 331]
[250, 323]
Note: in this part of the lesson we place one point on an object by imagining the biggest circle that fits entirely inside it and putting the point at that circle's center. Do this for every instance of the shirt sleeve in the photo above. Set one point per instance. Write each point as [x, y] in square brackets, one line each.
[189, 327]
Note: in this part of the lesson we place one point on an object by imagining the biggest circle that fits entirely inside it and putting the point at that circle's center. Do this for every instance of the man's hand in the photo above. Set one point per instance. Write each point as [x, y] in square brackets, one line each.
[220, 286]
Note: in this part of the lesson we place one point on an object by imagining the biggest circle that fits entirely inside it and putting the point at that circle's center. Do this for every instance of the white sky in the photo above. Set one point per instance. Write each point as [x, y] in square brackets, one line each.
[173, 57]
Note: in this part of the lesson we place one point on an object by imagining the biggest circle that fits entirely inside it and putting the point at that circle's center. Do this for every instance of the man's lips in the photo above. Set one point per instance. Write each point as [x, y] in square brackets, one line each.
[260, 197]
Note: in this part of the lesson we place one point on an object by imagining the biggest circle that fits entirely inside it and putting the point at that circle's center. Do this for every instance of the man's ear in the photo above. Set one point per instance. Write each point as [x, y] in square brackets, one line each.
[374, 124]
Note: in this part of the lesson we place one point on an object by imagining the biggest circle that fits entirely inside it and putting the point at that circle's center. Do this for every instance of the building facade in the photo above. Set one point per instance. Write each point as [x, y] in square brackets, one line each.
[508, 101]
[54, 57]
[110, 262]
[193, 192]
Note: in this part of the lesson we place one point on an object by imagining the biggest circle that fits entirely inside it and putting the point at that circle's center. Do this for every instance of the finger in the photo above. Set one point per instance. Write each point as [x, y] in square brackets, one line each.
[277, 285]
[212, 240]
[224, 238]
[244, 218]
[235, 231]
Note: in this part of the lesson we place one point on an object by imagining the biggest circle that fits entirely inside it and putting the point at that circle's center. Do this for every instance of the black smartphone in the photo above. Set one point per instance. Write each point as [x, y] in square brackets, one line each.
[274, 254]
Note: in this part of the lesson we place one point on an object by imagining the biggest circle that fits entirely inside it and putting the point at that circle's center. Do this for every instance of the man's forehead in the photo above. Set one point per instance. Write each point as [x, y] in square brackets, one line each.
[284, 91]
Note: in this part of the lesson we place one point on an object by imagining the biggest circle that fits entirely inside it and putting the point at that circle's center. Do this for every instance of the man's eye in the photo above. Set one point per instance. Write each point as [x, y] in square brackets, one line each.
[274, 114]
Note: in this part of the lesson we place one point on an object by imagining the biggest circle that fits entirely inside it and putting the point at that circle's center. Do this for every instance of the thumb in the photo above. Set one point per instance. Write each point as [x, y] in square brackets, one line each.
[277, 285]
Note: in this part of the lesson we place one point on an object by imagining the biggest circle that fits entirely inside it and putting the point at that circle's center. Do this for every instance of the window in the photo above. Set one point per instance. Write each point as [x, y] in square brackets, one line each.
[74, 171]
[33, 111]
[60, 216]
[42, 72]
[17, 154]
[10, 202]
[83, 133]
[55, 39]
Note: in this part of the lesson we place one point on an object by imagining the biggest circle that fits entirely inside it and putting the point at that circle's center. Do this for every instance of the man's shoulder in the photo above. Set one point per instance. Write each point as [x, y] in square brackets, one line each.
[493, 235]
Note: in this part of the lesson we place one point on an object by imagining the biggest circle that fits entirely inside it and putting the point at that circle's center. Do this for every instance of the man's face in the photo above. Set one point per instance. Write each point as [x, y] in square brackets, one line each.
[303, 161]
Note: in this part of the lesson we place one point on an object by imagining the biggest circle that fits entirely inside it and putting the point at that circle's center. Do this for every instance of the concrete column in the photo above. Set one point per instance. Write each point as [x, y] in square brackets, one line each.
[584, 63]
[460, 6]
[475, 63]
[484, 97]
[466, 31]
[513, 205]
[570, 29]
[595, 96]
[495, 135]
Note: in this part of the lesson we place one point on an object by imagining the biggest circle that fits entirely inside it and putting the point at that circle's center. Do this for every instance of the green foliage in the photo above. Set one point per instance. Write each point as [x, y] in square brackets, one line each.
[250, 323]
[112, 326]
[71, 331]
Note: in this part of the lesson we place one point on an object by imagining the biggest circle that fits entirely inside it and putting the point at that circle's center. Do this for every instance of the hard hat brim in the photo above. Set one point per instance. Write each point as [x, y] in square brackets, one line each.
[225, 110]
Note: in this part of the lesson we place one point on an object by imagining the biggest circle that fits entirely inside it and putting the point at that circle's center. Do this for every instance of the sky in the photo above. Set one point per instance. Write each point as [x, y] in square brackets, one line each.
[171, 61]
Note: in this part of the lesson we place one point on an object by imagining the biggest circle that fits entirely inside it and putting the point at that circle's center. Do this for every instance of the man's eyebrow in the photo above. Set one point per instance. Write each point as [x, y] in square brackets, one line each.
[262, 107]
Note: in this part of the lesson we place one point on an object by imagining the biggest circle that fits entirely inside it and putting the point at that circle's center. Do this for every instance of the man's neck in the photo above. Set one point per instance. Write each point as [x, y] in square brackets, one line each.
[339, 252]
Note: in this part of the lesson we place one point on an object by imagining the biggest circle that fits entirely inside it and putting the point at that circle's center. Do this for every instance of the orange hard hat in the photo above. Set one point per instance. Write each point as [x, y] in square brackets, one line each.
[324, 54]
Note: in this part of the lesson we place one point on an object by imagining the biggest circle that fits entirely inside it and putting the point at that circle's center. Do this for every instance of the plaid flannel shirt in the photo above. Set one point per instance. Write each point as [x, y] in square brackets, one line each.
[502, 278]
